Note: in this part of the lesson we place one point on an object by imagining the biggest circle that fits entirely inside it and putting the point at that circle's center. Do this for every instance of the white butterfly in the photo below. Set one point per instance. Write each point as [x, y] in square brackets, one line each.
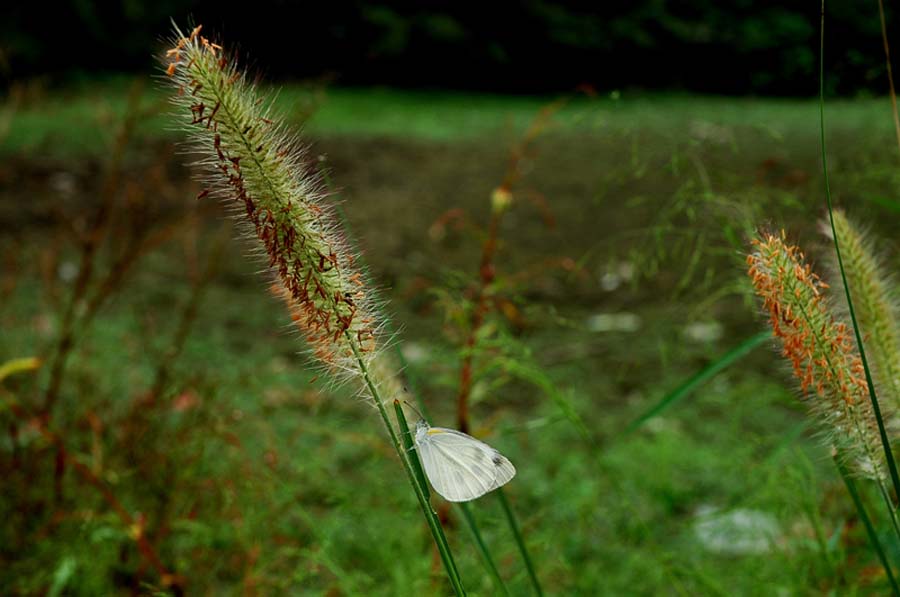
[460, 467]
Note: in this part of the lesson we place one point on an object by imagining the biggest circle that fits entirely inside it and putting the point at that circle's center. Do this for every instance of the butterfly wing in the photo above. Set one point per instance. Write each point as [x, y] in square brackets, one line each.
[460, 467]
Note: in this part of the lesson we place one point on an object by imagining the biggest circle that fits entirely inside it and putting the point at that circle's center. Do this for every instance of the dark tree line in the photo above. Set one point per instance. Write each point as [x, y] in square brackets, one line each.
[733, 47]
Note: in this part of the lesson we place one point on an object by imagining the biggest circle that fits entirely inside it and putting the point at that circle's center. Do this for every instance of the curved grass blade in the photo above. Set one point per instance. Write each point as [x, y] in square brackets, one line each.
[699, 378]
[14, 366]
[418, 480]
[485, 553]
[538, 378]
[786, 441]
[876, 409]
[408, 443]
[870, 530]
[514, 527]
[482, 548]
[885, 203]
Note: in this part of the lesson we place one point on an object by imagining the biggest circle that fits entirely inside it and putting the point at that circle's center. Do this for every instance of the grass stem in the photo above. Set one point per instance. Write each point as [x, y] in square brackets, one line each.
[483, 550]
[431, 518]
[890, 74]
[870, 530]
[876, 410]
[520, 542]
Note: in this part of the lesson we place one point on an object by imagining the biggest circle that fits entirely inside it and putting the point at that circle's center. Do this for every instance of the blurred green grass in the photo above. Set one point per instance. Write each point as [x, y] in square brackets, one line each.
[270, 480]
[76, 120]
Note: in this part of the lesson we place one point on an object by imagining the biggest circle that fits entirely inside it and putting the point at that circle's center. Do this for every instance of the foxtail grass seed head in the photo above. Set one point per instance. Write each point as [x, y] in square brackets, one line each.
[820, 349]
[874, 303]
[254, 164]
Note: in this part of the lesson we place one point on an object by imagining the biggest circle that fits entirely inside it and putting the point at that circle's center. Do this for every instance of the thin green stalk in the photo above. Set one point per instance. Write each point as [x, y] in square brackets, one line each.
[890, 506]
[815, 520]
[514, 526]
[876, 410]
[463, 507]
[467, 515]
[471, 523]
[431, 518]
[870, 530]
[410, 448]
[890, 74]
[252, 161]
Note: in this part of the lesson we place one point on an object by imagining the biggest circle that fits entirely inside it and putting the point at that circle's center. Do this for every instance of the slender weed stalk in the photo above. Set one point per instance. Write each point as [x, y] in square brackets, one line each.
[501, 201]
[867, 523]
[890, 73]
[134, 525]
[256, 165]
[94, 283]
[870, 384]
[90, 245]
[412, 389]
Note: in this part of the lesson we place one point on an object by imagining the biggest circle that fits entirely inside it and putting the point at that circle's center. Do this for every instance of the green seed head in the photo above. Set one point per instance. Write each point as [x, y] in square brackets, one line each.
[252, 163]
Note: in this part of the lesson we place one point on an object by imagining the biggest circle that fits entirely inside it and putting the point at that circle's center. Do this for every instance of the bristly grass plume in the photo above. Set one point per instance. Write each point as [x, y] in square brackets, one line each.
[820, 349]
[253, 163]
[875, 303]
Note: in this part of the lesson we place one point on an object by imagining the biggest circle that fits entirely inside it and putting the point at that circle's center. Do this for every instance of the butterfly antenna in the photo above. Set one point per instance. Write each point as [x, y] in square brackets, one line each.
[414, 409]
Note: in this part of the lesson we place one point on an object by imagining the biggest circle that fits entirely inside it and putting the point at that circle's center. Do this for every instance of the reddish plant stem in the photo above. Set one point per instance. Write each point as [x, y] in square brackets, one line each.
[187, 317]
[90, 244]
[486, 269]
[140, 245]
[134, 526]
[890, 75]
[10, 276]
[482, 306]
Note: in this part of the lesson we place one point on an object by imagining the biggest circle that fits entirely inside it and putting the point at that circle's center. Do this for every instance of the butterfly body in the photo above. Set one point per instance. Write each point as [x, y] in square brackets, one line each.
[460, 467]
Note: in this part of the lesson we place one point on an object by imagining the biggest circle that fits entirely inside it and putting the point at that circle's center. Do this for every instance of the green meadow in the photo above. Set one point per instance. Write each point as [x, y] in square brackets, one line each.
[660, 443]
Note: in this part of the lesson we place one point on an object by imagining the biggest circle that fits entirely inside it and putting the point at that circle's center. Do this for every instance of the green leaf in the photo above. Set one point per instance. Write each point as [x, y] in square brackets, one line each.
[699, 378]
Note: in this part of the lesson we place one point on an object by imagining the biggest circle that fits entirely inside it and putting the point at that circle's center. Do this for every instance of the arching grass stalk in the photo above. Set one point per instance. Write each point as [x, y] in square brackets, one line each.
[463, 507]
[870, 530]
[520, 541]
[890, 73]
[876, 409]
[256, 165]
[483, 550]
[501, 200]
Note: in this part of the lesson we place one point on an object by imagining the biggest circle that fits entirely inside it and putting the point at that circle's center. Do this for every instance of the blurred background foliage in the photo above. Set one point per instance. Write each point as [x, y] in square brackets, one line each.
[619, 275]
[737, 47]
